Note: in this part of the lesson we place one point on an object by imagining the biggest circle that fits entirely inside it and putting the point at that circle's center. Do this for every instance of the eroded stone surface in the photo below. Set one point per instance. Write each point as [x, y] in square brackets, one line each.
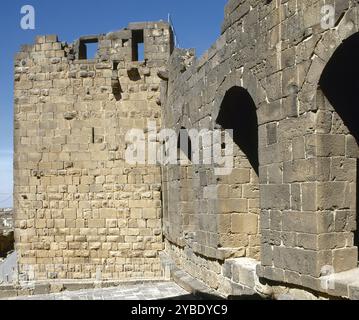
[290, 203]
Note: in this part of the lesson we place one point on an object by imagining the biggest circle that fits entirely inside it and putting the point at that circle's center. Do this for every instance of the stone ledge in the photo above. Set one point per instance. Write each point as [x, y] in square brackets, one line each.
[238, 278]
[242, 271]
[344, 284]
[186, 281]
[338, 285]
[57, 286]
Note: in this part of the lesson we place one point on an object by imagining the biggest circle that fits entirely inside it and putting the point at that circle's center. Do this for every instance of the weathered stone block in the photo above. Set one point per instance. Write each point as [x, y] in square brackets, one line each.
[300, 222]
[297, 260]
[330, 145]
[239, 176]
[275, 197]
[309, 196]
[246, 223]
[345, 259]
[333, 195]
[233, 206]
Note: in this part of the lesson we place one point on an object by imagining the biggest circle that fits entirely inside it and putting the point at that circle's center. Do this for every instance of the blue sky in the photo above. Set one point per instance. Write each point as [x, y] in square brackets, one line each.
[197, 24]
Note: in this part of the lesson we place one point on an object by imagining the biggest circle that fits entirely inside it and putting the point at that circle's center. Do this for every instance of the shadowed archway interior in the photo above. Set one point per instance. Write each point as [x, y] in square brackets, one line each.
[238, 112]
[340, 84]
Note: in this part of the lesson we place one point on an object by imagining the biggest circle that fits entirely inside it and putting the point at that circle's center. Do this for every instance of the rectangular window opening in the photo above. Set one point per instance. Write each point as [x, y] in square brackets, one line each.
[88, 49]
[93, 136]
[138, 45]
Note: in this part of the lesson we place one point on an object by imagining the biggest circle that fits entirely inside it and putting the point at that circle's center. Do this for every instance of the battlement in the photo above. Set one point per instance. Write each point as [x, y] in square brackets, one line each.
[119, 46]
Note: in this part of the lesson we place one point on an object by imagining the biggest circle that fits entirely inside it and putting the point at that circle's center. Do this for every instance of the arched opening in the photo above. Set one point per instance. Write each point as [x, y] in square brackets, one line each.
[339, 83]
[238, 112]
[238, 210]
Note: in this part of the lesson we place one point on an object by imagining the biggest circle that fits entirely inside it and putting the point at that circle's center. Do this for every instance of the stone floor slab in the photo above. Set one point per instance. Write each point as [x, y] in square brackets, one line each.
[145, 291]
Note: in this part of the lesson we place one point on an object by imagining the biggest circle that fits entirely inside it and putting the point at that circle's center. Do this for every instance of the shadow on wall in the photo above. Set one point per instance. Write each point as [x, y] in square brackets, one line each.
[340, 85]
[238, 112]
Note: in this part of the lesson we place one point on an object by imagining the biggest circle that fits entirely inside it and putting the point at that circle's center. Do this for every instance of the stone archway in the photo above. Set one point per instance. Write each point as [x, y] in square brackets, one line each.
[238, 113]
[339, 84]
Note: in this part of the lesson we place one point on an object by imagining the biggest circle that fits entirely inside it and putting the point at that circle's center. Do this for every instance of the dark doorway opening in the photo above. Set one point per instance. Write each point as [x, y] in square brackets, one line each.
[340, 85]
[7, 242]
[138, 46]
[238, 112]
[88, 48]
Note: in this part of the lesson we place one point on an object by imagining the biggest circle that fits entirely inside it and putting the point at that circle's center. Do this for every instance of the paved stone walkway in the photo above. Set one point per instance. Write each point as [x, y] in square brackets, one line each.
[145, 291]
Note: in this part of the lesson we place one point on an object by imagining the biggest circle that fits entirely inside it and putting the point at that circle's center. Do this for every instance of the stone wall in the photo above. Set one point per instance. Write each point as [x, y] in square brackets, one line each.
[283, 82]
[82, 212]
[273, 54]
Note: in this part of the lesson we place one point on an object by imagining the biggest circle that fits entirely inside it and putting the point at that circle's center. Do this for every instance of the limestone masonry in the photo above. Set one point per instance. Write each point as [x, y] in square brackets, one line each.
[81, 211]
[283, 222]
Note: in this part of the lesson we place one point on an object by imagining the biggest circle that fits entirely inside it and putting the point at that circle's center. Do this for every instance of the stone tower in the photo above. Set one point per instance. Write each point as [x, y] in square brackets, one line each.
[81, 211]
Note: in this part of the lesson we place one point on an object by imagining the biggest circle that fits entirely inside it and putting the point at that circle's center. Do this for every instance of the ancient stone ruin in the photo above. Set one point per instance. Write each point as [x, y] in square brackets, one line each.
[6, 232]
[282, 222]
